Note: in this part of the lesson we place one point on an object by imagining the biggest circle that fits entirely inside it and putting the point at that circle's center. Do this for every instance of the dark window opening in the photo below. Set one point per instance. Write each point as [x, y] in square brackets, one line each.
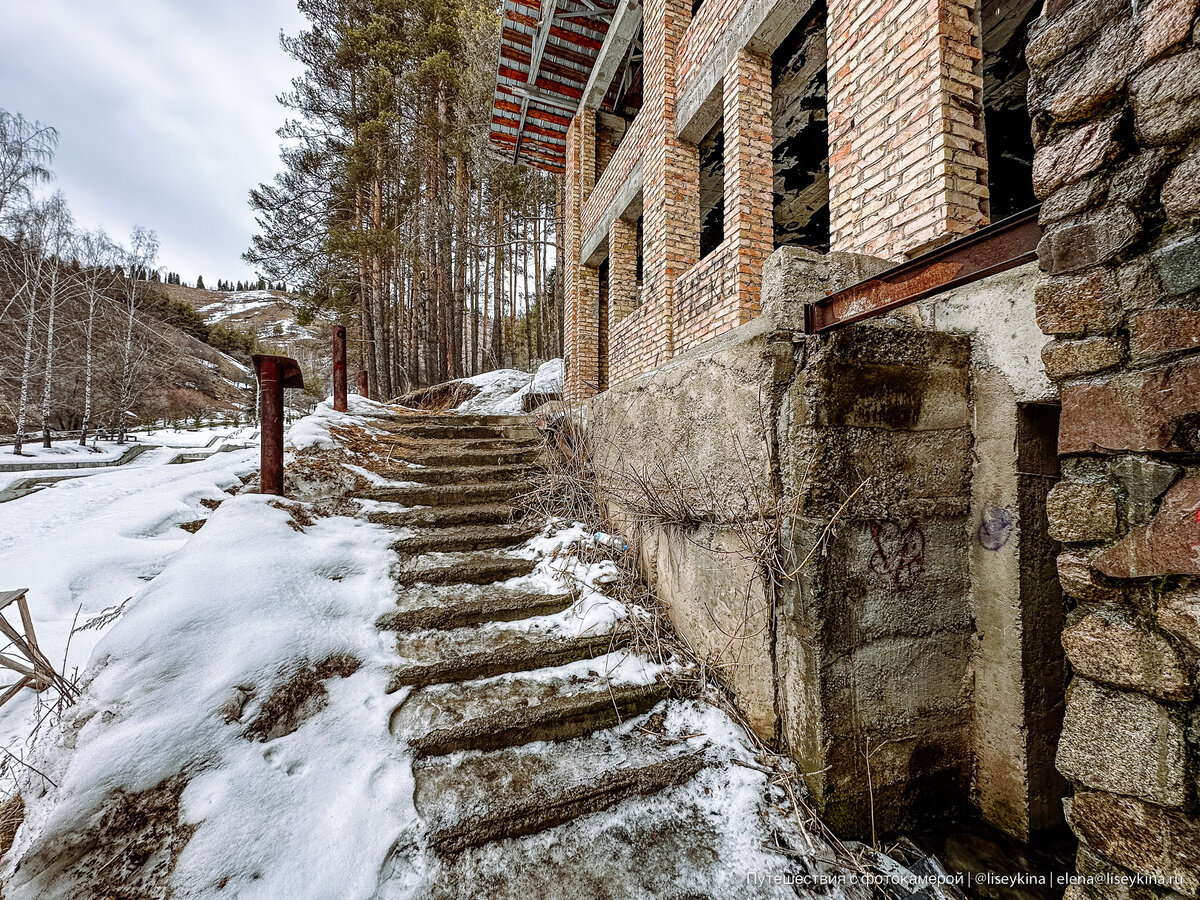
[624, 97]
[712, 189]
[620, 106]
[800, 135]
[640, 238]
[1005, 27]
[696, 4]
[602, 330]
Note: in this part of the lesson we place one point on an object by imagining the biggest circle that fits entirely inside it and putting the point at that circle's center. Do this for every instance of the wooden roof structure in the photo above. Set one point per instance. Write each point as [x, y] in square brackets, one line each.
[547, 51]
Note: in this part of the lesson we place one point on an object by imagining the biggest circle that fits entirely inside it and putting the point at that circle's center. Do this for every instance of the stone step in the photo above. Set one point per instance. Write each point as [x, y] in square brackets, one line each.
[507, 712]
[452, 456]
[436, 430]
[457, 606]
[484, 797]
[446, 516]
[417, 417]
[463, 538]
[446, 494]
[459, 474]
[468, 654]
[481, 567]
[412, 447]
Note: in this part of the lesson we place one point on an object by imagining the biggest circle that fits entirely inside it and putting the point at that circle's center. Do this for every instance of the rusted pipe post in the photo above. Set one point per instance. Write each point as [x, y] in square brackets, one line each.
[339, 368]
[364, 386]
[274, 374]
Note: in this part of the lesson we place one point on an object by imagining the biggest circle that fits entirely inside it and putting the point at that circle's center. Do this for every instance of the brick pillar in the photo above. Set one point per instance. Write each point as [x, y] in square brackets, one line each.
[581, 315]
[907, 163]
[622, 270]
[748, 174]
[671, 210]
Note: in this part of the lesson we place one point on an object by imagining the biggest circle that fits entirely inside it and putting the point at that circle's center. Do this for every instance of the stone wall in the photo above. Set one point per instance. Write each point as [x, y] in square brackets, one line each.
[1115, 96]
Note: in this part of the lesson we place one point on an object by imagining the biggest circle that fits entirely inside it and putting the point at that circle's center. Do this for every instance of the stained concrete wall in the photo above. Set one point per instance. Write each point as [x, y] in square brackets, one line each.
[861, 658]
[1018, 665]
[920, 639]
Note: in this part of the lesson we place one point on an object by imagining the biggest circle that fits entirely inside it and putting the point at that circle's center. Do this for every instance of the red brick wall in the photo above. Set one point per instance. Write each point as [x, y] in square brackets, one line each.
[907, 164]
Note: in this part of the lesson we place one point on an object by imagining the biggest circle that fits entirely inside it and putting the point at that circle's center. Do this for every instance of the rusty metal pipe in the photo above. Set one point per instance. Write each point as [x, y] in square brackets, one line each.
[364, 385]
[270, 405]
[274, 374]
[339, 368]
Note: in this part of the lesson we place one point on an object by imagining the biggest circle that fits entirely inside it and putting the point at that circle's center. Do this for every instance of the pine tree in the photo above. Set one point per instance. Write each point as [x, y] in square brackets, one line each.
[200, 283]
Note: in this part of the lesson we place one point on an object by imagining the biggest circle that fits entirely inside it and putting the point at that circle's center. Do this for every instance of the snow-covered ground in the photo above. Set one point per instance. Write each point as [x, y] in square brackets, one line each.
[235, 723]
[503, 391]
[62, 451]
[237, 303]
[88, 544]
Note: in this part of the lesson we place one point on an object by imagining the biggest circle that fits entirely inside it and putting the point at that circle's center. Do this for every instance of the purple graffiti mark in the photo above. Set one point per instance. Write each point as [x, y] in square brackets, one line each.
[995, 526]
[899, 551]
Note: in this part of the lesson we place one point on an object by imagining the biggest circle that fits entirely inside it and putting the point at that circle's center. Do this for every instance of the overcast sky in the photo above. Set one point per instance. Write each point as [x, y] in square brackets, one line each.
[165, 109]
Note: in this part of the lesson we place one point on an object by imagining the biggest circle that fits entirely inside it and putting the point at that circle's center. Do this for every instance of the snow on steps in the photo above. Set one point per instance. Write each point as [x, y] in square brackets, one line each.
[469, 799]
[458, 605]
[464, 537]
[551, 705]
[443, 516]
[445, 494]
[463, 654]
[478, 567]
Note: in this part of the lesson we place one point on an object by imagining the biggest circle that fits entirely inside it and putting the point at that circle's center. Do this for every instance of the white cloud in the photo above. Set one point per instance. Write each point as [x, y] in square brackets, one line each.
[166, 110]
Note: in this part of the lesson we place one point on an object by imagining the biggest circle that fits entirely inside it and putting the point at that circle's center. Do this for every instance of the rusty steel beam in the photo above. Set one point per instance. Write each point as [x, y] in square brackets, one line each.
[364, 385]
[1008, 243]
[274, 374]
[339, 368]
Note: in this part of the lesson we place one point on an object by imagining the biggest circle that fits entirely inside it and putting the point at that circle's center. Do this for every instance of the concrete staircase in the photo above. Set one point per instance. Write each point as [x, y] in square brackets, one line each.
[520, 729]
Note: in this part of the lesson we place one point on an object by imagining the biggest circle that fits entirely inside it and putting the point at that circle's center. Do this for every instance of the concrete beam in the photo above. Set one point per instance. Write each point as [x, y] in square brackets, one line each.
[627, 205]
[624, 25]
[760, 27]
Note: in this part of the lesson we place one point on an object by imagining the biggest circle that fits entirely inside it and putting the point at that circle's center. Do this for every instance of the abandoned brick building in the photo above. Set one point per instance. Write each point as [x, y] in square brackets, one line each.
[808, 282]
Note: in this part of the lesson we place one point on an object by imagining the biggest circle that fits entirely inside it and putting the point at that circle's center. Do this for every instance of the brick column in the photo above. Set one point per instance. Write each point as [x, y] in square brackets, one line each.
[907, 164]
[748, 174]
[671, 169]
[622, 270]
[581, 315]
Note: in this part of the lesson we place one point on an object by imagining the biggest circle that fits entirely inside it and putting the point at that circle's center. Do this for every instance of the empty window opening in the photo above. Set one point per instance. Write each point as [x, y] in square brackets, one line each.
[1005, 27]
[712, 189]
[610, 130]
[800, 135]
[621, 104]
[640, 251]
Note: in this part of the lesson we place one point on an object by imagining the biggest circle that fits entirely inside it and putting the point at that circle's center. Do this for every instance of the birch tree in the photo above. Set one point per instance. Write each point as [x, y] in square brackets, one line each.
[139, 258]
[26, 150]
[97, 256]
[58, 230]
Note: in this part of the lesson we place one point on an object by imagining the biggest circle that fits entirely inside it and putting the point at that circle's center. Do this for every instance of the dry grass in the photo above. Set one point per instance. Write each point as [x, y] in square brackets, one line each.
[297, 699]
[440, 397]
[12, 814]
